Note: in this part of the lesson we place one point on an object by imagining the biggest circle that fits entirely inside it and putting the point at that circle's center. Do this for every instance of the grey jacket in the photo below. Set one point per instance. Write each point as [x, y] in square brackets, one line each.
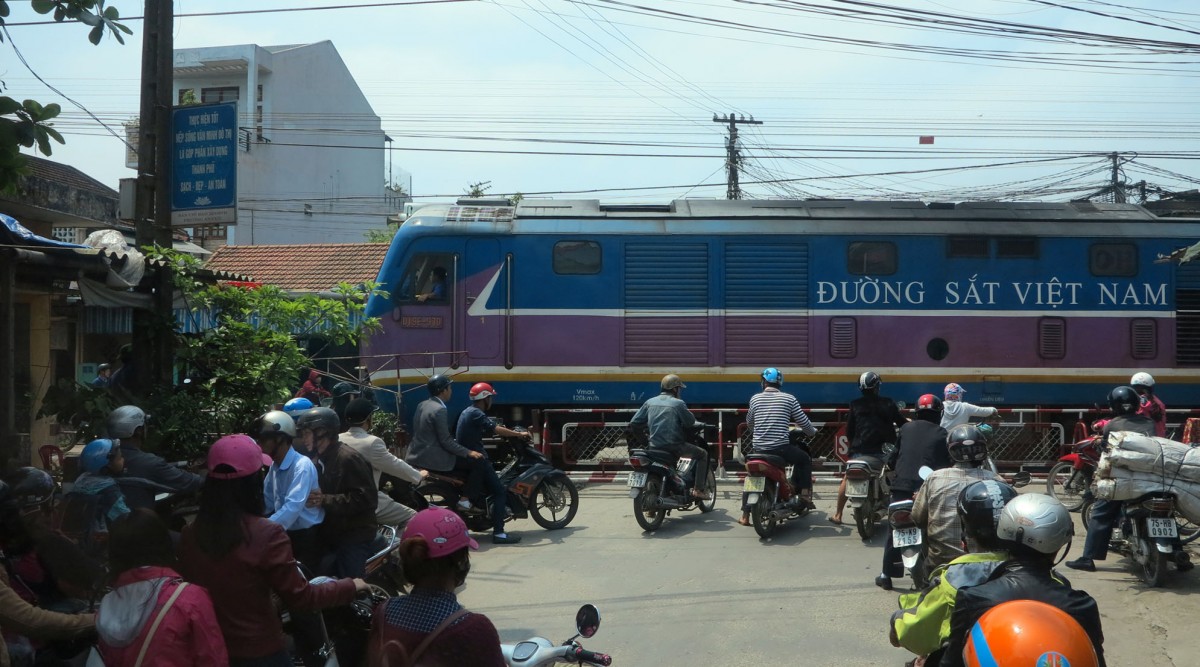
[432, 447]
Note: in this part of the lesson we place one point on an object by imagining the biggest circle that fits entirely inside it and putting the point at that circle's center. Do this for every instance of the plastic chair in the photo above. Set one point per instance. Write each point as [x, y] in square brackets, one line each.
[52, 462]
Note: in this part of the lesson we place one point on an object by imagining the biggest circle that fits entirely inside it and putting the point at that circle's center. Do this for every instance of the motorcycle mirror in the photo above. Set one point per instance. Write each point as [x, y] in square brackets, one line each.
[587, 621]
[901, 404]
[924, 472]
[1022, 478]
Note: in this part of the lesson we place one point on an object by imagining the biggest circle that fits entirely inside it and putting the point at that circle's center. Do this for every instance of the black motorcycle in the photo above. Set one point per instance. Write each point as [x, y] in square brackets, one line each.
[660, 484]
[536, 489]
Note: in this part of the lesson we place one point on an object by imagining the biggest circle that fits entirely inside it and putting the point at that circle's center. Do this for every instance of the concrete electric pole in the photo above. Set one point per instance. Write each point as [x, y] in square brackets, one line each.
[733, 157]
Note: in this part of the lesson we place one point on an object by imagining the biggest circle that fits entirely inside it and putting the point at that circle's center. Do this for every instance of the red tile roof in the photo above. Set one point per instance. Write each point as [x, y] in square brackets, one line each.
[312, 267]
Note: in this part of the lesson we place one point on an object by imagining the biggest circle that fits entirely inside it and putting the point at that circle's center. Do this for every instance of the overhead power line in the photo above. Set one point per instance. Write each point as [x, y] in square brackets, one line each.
[280, 10]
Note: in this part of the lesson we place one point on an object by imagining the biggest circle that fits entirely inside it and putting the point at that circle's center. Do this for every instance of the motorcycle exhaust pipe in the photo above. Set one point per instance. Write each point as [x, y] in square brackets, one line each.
[667, 504]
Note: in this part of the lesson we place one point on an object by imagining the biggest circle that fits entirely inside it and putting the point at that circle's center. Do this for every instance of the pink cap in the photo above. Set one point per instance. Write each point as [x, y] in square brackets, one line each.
[239, 452]
[442, 530]
[955, 390]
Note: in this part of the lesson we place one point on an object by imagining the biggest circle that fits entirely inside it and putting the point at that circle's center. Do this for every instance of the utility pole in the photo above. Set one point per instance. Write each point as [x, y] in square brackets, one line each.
[153, 201]
[733, 157]
[1117, 189]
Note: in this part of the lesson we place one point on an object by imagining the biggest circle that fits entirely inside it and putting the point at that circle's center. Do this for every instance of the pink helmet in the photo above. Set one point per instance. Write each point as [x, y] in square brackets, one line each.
[442, 530]
[953, 391]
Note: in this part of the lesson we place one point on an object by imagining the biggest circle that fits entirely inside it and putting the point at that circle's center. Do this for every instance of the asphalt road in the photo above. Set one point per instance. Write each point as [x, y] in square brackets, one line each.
[703, 590]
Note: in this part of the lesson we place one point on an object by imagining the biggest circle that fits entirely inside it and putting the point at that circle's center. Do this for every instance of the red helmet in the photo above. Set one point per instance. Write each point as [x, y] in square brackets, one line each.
[480, 391]
[929, 402]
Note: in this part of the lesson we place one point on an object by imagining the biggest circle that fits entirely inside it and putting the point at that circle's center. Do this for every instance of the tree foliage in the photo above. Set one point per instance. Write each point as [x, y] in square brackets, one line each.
[27, 124]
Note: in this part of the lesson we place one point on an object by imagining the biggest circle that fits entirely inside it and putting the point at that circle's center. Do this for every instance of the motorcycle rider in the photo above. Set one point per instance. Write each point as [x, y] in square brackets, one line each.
[388, 512]
[935, 507]
[771, 412]
[1034, 527]
[291, 478]
[346, 492]
[922, 624]
[921, 442]
[1027, 632]
[668, 418]
[870, 424]
[1125, 403]
[434, 448]
[957, 411]
[473, 425]
[1152, 406]
[297, 405]
[127, 424]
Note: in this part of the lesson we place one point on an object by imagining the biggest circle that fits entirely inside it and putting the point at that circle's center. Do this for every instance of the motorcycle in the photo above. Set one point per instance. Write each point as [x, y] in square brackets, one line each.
[537, 651]
[384, 570]
[1070, 479]
[1149, 534]
[767, 491]
[868, 490]
[536, 489]
[907, 537]
[659, 484]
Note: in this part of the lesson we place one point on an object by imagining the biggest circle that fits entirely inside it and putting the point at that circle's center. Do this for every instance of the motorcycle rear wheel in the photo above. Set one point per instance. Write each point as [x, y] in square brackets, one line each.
[864, 520]
[1066, 484]
[554, 503]
[1155, 566]
[760, 514]
[710, 485]
[645, 503]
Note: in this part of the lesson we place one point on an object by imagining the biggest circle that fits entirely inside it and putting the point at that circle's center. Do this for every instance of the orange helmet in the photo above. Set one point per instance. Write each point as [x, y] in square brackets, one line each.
[1027, 632]
[480, 391]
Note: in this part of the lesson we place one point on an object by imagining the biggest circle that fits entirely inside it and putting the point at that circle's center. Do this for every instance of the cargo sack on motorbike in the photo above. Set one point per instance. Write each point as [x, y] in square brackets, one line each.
[922, 624]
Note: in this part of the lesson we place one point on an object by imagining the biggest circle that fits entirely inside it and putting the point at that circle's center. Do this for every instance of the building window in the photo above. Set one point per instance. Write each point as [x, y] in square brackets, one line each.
[219, 94]
[577, 258]
[1113, 259]
[871, 258]
[204, 233]
[967, 247]
[1017, 247]
[187, 96]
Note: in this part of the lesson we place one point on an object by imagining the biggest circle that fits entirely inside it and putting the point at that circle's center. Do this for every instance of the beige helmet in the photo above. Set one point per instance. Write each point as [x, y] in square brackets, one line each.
[672, 381]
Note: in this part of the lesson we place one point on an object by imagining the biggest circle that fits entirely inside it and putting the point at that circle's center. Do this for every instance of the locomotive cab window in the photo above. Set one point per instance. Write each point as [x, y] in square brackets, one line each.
[577, 258]
[968, 246]
[871, 258]
[428, 278]
[1113, 259]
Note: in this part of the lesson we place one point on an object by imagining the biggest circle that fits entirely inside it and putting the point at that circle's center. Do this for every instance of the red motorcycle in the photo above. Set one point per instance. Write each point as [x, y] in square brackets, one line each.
[1070, 480]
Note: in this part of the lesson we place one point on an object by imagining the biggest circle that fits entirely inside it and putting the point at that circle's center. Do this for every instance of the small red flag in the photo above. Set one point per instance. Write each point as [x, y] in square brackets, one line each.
[926, 139]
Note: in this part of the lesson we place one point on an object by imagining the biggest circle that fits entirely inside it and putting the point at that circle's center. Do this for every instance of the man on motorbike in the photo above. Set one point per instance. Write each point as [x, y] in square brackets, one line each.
[667, 417]
[935, 508]
[920, 443]
[290, 480]
[1034, 527]
[1125, 403]
[473, 426]
[357, 437]
[772, 412]
[346, 492]
[1152, 406]
[922, 624]
[870, 424]
[128, 425]
[957, 411]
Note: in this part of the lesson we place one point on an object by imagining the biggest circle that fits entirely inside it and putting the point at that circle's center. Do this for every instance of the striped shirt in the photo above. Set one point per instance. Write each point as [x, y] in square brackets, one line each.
[771, 411]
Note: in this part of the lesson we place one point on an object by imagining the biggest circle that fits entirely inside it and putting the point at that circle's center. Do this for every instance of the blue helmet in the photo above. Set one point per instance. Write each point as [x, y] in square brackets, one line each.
[772, 376]
[297, 405]
[96, 455]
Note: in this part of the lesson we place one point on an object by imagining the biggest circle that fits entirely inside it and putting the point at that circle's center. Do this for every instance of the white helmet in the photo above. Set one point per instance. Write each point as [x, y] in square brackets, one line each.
[1037, 521]
[1142, 380]
[275, 421]
[124, 421]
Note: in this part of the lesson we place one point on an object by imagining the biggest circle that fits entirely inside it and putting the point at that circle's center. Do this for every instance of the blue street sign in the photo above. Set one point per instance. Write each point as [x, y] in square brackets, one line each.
[204, 164]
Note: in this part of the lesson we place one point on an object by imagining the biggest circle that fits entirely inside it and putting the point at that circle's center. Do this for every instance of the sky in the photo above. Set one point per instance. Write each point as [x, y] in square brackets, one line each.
[1025, 99]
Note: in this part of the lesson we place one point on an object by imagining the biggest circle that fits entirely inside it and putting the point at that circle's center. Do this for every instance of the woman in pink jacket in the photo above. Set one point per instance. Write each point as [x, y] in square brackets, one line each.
[152, 617]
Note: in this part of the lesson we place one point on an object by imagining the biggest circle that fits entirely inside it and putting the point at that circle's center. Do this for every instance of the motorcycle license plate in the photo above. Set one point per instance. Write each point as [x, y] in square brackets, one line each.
[755, 484]
[906, 537]
[637, 479]
[682, 464]
[858, 488]
[1162, 528]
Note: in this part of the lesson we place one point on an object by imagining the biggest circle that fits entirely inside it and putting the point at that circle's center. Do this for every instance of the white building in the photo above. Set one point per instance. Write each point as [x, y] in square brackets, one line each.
[311, 151]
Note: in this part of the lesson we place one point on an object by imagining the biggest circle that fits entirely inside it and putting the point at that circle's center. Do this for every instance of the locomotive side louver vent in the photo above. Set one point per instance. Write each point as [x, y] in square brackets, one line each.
[1052, 338]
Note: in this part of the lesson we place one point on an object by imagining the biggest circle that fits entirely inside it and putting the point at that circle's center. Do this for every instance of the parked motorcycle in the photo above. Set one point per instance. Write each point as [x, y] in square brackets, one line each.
[1149, 534]
[535, 489]
[1070, 480]
[907, 537]
[868, 490]
[537, 651]
[659, 484]
[768, 492]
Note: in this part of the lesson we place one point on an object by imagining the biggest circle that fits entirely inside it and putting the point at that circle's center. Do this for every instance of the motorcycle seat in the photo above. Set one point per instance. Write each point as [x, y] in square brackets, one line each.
[657, 455]
[770, 459]
[873, 464]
